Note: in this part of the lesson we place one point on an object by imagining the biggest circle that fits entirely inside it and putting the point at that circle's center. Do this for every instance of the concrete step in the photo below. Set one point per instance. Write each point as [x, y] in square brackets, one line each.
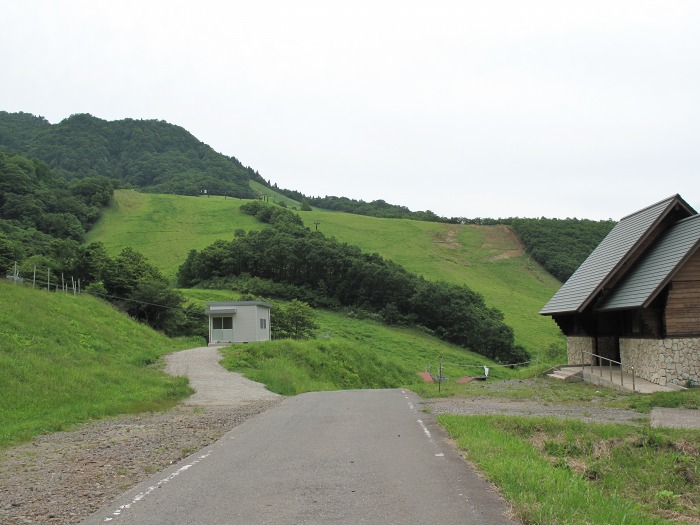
[570, 375]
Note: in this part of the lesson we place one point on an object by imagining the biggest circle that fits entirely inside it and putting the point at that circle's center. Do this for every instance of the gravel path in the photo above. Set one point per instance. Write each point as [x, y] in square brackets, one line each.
[66, 476]
[213, 384]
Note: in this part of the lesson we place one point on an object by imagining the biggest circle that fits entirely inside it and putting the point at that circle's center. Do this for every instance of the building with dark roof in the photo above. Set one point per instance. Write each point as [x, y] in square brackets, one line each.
[636, 298]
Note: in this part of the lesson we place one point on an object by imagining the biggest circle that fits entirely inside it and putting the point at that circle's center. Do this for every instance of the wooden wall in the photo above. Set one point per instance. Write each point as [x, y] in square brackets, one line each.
[683, 304]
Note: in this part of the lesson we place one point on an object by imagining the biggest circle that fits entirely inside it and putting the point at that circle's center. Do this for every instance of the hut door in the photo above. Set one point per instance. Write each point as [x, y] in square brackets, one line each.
[222, 329]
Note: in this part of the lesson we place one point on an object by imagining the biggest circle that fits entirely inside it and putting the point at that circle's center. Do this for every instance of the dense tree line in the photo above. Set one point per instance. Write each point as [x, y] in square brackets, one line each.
[138, 288]
[377, 208]
[334, 273]
[148, 154]
[560, 245]
[32, 197]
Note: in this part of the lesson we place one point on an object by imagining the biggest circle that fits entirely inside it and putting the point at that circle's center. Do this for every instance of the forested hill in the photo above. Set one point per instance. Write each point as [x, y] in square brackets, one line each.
[158, 157]
[152, 155]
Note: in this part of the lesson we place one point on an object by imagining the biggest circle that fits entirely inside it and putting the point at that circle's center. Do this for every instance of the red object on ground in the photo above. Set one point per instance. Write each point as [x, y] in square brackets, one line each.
[426, 377]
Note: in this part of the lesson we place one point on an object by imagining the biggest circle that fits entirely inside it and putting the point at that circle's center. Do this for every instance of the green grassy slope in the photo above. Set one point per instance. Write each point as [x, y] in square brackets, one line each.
[486, 258]
[274, 196]
[374, 355]
[65, 359]
[165, 228]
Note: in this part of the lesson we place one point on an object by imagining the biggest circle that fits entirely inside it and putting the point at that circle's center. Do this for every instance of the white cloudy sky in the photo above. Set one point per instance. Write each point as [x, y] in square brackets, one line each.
[488, 108]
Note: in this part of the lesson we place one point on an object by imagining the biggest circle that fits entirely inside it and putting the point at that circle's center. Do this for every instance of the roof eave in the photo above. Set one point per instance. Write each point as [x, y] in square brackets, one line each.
[674, 201]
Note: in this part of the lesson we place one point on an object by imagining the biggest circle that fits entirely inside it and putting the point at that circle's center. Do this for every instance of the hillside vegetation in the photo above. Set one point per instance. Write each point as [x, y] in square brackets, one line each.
[351, 352]
[148, 154]
[159, 157]
[66, 359]
[305, 264]
[488, 259]
[560, 245]
[43, 218]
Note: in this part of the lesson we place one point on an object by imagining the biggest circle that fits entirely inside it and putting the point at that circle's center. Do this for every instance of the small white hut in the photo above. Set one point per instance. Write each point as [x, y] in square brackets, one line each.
[238, 321]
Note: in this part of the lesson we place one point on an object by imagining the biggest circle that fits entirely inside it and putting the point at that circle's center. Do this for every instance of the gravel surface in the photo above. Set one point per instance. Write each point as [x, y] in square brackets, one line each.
[490, 406]
[66, 476]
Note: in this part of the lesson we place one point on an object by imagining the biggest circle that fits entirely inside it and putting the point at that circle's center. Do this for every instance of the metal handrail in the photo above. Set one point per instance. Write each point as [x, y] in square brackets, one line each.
[610, 363]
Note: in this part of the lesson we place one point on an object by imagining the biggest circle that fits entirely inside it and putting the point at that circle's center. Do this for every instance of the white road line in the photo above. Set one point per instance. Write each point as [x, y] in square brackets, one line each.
[142, 495]
[425, 429]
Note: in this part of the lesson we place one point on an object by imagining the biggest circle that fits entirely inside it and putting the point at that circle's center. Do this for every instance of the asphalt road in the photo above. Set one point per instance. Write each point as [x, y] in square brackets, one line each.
[367, 456]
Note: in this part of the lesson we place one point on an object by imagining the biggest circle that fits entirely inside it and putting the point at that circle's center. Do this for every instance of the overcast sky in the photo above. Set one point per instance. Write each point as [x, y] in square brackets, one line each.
[473, 108]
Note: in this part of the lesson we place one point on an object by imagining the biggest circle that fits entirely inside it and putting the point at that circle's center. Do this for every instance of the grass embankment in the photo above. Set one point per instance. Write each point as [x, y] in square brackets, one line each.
[488, 259]
[350, 353]
[568, 472]
[66, 359]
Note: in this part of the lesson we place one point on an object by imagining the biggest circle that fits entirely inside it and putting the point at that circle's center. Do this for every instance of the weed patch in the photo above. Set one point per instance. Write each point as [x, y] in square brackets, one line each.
[565, 471]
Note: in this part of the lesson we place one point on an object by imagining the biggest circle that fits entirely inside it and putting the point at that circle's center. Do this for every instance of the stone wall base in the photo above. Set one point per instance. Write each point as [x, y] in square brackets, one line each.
[663, 361]
[578, 348]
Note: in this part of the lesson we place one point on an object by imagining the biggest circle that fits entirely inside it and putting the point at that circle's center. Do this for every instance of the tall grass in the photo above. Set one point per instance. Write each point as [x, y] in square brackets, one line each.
[559, 472]
[292, 367]
[65, 359]
[351, 352]
[165, 228]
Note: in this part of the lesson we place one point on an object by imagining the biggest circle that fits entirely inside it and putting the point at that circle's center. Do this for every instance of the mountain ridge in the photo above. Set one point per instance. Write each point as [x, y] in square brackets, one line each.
[152, 155]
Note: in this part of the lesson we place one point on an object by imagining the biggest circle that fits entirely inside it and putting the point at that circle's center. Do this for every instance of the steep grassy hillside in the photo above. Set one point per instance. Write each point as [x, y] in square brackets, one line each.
[488, 259]
[165, 227]
[65, 359]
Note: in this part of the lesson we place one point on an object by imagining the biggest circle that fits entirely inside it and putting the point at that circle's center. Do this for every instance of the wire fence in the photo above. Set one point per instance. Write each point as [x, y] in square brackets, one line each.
[37, 280]
[465, 369]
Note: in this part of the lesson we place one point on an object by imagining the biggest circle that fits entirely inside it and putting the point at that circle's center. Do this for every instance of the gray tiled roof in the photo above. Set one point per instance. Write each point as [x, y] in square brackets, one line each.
[601, 265]
[642, 283]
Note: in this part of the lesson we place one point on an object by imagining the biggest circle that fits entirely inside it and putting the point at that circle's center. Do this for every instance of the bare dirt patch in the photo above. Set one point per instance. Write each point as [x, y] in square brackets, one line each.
[447, 238]
[503, 240]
